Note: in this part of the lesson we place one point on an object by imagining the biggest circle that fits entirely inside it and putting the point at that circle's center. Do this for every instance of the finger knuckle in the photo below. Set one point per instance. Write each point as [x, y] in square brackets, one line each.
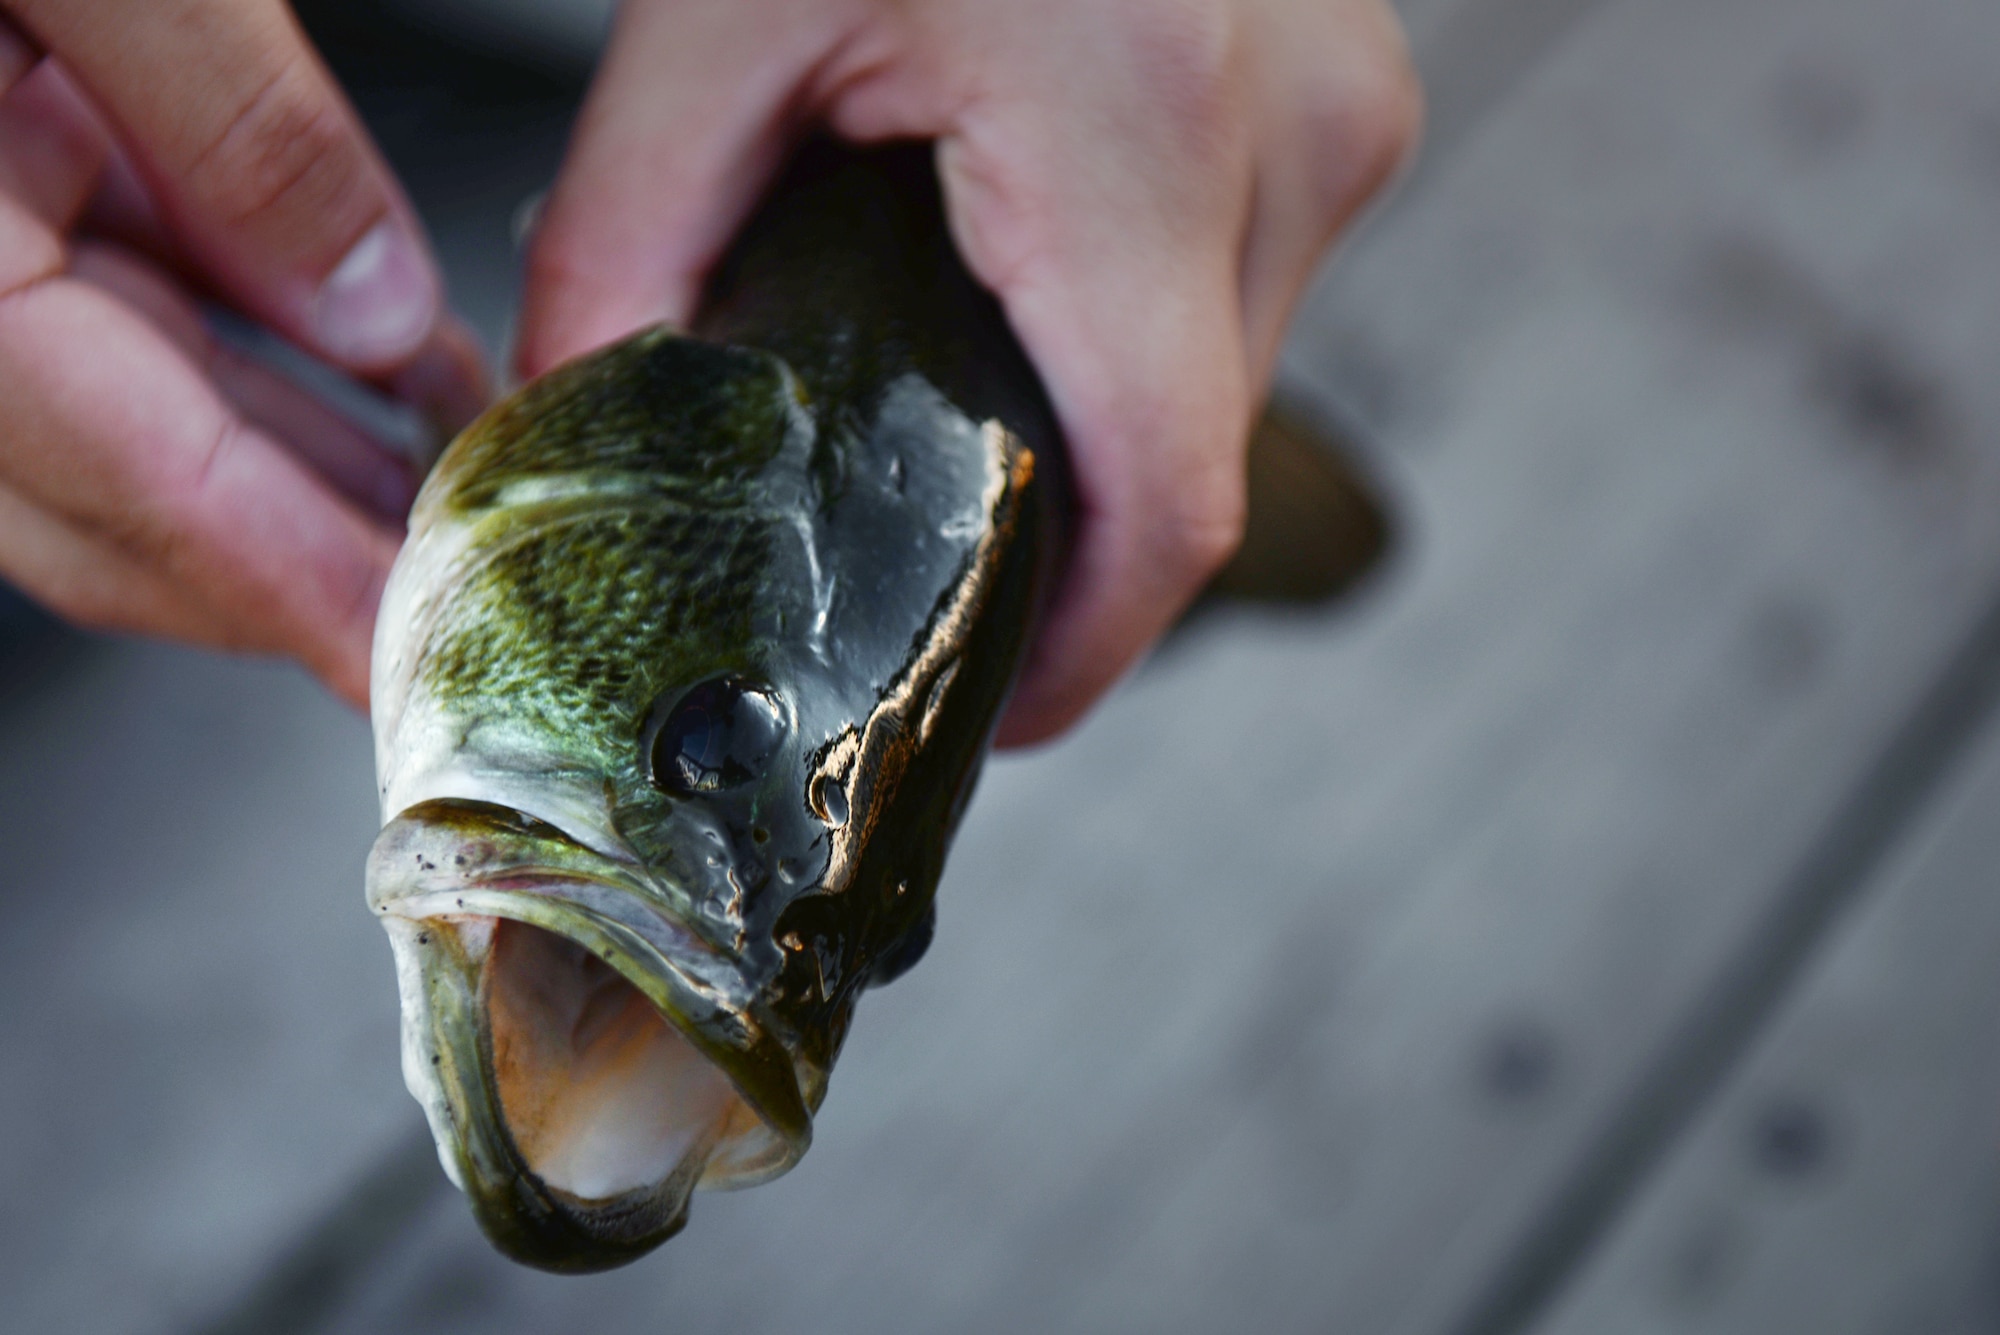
[158, 533]
[285, 147]
[191, 492]
[1363, 123]
[150, 536]
[557, 261]
[85, 605]
[1004, 213]
[1203, 529]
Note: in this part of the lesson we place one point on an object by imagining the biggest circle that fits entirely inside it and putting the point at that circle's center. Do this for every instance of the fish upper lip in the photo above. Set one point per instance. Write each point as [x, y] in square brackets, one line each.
[617, 942]
[700, 989]
[505, 884]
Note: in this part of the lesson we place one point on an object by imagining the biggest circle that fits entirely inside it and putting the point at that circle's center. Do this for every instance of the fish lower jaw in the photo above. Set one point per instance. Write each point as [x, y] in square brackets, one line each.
[575, 1114]
[586, 1060]
[600, 1094]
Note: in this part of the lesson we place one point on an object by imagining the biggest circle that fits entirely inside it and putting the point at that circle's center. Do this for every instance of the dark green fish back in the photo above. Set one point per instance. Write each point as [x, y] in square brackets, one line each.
[849, 274]
[691, 421]
[649, 502]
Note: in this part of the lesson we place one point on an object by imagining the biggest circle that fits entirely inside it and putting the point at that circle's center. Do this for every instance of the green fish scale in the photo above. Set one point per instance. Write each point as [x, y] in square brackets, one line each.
[689, 417]
[578, 625]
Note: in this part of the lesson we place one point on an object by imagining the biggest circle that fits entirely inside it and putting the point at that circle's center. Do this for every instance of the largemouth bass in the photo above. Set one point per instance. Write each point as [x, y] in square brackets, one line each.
[681, 683]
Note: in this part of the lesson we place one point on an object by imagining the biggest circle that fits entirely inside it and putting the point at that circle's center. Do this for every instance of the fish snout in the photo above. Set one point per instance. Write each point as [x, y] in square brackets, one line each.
[585, 1061]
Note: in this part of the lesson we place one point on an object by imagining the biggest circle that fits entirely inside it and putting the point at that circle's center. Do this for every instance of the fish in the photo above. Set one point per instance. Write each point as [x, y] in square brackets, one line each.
[1317, 527]
[681, 683]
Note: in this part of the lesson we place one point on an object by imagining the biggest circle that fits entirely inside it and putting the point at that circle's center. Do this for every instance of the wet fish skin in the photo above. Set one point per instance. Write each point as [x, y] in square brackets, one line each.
[692, 660]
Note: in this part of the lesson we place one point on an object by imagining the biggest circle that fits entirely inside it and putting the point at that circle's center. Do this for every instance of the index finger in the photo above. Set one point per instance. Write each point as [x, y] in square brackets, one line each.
[111, 430]
[261, 167]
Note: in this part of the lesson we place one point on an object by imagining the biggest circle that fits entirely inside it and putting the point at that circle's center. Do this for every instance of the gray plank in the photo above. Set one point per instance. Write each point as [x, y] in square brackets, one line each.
[1471, 54]
[198, 1010]
[1288, 991]
[1847, 1179]
[1596, 904]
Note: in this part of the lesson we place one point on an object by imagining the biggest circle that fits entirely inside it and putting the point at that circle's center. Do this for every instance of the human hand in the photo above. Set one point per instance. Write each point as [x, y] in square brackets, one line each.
[1146, 184]
[151, 479]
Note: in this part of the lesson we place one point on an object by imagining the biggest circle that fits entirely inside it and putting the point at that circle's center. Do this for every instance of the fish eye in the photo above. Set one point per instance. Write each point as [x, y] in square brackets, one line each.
[721, 734]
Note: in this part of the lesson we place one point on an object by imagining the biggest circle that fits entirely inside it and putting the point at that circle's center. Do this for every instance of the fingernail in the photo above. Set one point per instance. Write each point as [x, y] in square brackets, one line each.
[380, 300]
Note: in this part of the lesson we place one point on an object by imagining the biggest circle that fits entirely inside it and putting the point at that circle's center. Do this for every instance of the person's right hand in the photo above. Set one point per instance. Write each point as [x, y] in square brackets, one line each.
[1146, 186]
[150, 479]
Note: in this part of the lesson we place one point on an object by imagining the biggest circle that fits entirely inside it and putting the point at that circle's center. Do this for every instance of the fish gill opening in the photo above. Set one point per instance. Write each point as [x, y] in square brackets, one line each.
[600, 1092]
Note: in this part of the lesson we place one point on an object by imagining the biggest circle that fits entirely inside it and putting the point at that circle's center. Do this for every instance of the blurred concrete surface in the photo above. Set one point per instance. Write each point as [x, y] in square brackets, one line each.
[1586, 930]
[1844, 1178]
[196, 1008]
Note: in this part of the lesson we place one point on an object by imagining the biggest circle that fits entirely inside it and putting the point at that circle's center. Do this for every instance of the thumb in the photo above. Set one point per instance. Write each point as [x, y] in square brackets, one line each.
[688, 118]
[259, 165]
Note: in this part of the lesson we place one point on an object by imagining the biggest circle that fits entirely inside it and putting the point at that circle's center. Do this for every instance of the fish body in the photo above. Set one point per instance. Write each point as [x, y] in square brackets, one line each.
[681, 683]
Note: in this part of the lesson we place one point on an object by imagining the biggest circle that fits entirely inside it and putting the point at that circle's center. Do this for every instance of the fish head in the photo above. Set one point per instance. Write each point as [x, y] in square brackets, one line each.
[680, 684]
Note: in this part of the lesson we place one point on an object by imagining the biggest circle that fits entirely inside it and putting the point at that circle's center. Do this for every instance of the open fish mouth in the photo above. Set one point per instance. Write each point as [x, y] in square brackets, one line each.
[585, 1059]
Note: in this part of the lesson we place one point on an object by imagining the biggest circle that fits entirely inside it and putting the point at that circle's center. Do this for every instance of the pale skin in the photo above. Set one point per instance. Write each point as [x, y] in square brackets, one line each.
[1147, 185]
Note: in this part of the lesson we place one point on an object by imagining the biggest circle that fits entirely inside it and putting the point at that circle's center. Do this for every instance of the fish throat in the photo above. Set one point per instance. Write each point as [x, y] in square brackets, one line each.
[601, 1095]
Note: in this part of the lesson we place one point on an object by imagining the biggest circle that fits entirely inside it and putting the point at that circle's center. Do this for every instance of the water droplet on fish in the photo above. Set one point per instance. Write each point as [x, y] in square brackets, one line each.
[718, 735]
[833, 802]
[963, 528]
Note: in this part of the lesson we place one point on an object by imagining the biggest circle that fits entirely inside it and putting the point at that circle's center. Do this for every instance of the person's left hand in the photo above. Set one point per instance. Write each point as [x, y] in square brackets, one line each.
[155, 157]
